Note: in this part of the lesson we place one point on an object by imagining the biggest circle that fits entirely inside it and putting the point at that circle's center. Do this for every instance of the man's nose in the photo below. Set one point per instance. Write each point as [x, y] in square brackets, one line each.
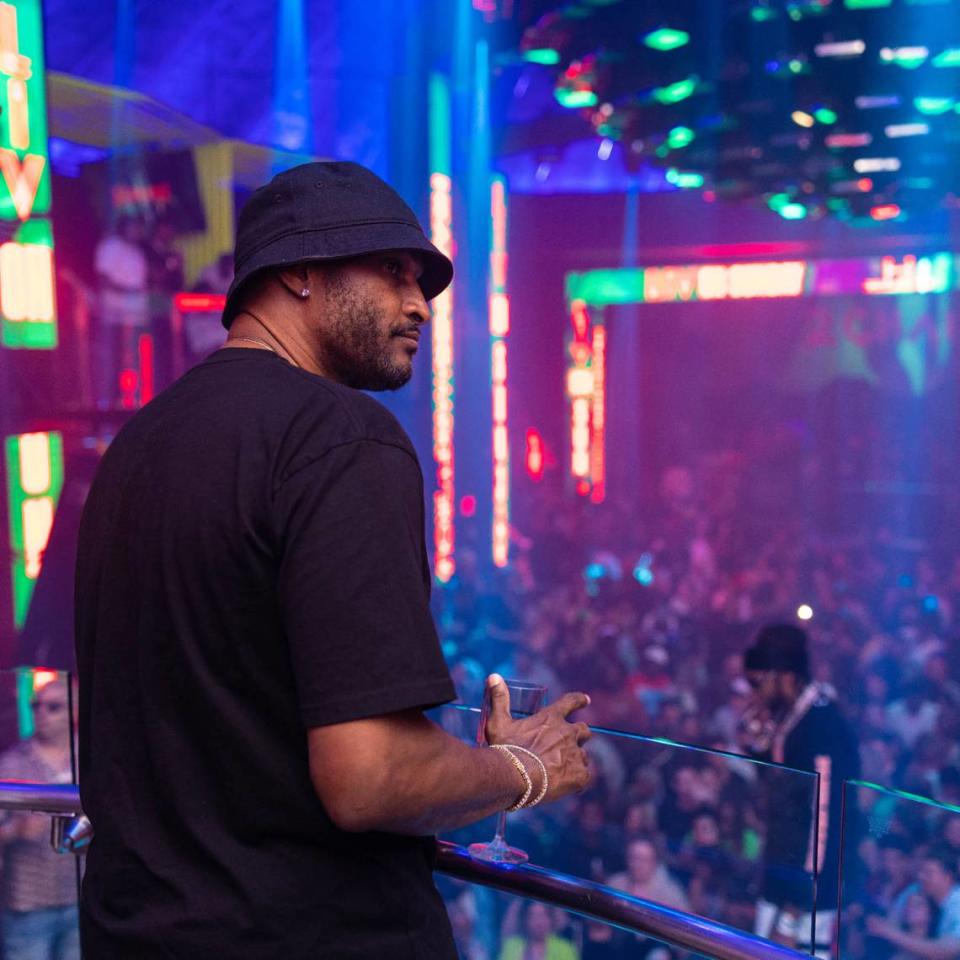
[415, 306]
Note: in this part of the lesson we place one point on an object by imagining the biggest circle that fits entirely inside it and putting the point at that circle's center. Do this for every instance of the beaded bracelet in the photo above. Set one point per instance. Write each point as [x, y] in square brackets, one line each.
[518, 763]
[545, 785]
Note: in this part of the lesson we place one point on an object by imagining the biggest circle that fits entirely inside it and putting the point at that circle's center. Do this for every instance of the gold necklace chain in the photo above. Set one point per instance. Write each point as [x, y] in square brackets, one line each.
[254, 340]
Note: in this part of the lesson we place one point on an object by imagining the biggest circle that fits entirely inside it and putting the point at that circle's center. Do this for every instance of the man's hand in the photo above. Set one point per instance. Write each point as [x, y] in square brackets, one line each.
[547, 733]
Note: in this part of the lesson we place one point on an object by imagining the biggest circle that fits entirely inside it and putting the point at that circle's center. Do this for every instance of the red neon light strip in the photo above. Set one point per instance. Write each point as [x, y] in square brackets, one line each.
[535, 457]
[580, 392]
[145, 351]
[200, 302]
[598, 465]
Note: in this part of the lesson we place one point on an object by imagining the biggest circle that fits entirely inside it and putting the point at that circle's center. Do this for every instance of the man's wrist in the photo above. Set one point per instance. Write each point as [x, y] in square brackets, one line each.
[521, 771]
[531, 771]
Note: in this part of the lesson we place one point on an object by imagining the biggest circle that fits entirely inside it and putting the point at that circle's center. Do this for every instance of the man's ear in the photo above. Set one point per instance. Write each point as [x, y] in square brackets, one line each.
[296, 279]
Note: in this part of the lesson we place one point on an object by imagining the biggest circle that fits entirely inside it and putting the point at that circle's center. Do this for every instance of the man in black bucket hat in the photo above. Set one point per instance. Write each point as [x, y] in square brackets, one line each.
[795, 720]
[300, 240]
[254, 639]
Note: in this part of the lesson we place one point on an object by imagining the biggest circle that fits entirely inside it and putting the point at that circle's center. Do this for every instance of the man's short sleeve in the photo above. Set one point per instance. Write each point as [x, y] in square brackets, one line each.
[354, 585]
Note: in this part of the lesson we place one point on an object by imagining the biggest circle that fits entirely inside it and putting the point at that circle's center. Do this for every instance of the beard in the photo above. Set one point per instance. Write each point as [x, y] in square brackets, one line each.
[360, 350]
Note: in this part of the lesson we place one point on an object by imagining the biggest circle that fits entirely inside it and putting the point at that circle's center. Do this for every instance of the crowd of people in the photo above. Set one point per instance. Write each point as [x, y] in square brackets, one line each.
[650, 611]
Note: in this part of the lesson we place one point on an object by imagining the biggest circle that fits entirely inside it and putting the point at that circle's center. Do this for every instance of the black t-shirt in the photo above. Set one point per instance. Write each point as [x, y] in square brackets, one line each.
[251, 564]
[822, 732]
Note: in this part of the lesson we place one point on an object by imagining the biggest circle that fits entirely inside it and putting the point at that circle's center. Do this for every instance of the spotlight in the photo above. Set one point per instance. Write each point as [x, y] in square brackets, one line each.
[877, 164]
[934, 106]
[666, 39]
[675, 92]
[907, 57]
[793, 211]
[885, 211]
[804, 612]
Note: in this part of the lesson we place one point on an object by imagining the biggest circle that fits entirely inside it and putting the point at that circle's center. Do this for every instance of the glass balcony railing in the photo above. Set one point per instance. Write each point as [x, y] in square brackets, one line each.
[900, 895]
[710, 833]
[704, 833]
[40, 887]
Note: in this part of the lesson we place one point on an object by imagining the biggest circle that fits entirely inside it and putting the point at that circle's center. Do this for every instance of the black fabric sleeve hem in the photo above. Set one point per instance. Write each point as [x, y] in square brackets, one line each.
[373, 703]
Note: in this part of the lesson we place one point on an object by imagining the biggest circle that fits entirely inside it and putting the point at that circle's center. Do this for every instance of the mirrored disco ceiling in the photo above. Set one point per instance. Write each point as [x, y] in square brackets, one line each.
[844, 108]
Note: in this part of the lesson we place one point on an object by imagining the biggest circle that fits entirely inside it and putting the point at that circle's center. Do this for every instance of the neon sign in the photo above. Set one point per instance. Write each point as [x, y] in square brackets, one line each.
[35, 472]
[598, 469]
[27, 304]
[499, 319]
[200, 302]
[912, 275]
[589, 293]
[738, 281]
[932, 273]
[441, 233]
[581, 387]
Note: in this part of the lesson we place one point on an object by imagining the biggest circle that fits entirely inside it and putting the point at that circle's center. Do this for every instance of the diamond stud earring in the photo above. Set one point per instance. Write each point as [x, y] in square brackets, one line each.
[305, 292]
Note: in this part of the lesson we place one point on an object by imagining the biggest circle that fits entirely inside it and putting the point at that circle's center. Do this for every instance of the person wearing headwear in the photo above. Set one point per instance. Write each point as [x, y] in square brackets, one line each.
[254, 641]
[796, 721]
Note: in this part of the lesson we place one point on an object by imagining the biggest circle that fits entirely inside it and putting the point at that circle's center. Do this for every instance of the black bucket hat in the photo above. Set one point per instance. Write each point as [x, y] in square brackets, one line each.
[328, 211]
[779, 646]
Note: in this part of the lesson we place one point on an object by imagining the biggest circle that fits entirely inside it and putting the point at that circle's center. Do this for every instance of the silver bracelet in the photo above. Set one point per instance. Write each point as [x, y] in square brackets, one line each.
[543, 773]
[518, 763]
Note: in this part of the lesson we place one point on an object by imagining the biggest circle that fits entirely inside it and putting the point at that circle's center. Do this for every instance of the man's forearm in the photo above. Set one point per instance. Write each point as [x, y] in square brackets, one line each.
[419, 780]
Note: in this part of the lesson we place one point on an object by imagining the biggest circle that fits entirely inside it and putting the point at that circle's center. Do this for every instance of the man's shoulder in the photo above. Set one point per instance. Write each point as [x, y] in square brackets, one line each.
[332, 415]
[368, 418]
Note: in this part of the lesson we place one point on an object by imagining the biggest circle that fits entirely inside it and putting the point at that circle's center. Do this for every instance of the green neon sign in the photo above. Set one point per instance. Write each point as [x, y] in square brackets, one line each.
[27, 306]
[34, 481]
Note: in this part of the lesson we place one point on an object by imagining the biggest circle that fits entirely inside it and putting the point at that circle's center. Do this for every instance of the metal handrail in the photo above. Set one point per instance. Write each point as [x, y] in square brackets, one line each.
[593, 900]
[598, 902]
[62, 800]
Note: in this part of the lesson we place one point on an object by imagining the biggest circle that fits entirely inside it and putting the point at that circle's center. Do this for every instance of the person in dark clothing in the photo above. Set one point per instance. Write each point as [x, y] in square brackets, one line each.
[798, 723]
[254, 642]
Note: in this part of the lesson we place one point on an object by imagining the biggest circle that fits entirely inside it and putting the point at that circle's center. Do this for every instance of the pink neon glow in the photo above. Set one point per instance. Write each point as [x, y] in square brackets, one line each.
[441, 207]
[535, 458]
[598, 467]
[498, 215]
[580, 391]
[499, 324]
[127, 382]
